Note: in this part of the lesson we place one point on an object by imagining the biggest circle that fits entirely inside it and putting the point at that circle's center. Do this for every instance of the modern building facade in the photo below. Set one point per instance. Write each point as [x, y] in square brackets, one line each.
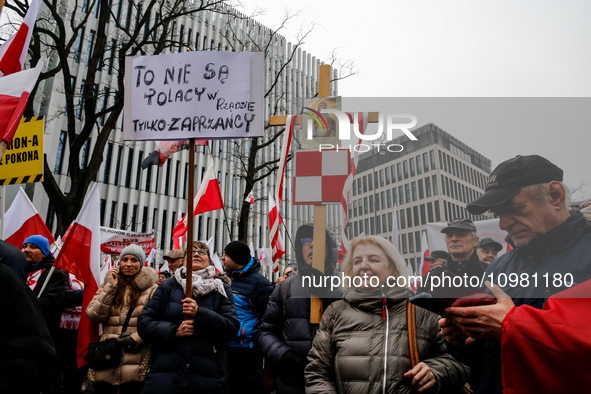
[430, 180]
[141, 200]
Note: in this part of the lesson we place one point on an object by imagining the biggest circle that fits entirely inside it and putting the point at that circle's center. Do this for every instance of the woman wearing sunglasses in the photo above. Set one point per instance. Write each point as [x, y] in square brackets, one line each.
[189, 335]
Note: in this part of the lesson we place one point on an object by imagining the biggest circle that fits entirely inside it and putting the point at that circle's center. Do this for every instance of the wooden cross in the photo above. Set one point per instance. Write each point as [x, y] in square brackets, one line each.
[319, 238]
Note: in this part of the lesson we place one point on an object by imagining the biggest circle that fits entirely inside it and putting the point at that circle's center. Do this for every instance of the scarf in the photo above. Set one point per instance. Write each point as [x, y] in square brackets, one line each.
[204, 281]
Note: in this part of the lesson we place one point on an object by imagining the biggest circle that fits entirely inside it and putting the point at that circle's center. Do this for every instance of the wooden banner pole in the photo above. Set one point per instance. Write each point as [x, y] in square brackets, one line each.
[190, 209]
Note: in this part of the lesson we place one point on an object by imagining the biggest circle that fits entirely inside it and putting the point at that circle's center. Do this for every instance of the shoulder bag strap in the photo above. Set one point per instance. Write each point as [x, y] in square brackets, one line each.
[127, 318]
[412, 333]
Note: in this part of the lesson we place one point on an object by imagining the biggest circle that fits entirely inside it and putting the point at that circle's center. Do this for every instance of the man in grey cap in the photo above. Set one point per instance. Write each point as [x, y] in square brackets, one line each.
[462, 240]
[488, 249]
[437, 258]
[527, 194]
[175, 259]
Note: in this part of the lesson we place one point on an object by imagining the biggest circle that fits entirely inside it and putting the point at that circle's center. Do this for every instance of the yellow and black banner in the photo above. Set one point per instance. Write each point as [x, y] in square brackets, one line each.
[23, 160]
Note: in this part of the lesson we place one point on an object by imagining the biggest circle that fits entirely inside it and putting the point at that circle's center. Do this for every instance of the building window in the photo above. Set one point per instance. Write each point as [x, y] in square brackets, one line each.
[409, 217]
[90, 46]
[389, 198]
[118, 165]
[61, 149]
[412, 166]
[145, 220]
[428, 187]
[138, 173]
[176, 178]
[164, 229]
[407, 192]
[133, 217]
[425, 161]
[103, 205]
[421, 190]
[124, 216]
[129, 167]
[78, 45]
[85, 154]
[108, 158]
[370, 183]
[167, 181]
[112, 217]
[434, 179]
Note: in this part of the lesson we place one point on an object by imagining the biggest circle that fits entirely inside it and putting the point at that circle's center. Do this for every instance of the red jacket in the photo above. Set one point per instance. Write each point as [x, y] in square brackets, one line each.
[547, 350]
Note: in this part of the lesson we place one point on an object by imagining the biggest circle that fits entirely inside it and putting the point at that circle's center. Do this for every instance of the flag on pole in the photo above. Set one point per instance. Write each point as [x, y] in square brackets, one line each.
[178, 233]
[424, 253]
[287, 134]
[23, 220]
[80, 255]
[251, 247]
[277, 247]
[14, 94]
[395, 228]
[14, 50]
[250, 198]
[150, 258]
[209, 196]
[164, 267]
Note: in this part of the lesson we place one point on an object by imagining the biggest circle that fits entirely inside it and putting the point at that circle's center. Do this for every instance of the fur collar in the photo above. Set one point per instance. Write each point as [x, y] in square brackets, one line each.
[146, 278]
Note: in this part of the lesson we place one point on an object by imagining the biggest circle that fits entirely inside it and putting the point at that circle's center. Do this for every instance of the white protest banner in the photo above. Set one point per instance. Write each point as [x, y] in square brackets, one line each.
[201, 94]
[113, 241]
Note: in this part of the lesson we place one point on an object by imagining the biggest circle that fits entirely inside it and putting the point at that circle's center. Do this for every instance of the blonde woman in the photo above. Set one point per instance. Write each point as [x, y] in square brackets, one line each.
[362, 344]
[127, 287]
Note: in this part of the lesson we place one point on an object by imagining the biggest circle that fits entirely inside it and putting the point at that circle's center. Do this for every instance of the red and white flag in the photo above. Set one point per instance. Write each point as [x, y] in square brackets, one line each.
[14, 94]
[14, 50]
[22, 220]
[209, 196]
[277, 247]
[286, 144]
[250, 198]
[178, 233]
[424, 268]
[164, 267]
[80, 255]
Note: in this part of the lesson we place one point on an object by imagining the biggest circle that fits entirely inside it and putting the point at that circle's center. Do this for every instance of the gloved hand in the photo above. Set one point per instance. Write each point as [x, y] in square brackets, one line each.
[292, 369]
[126, 341]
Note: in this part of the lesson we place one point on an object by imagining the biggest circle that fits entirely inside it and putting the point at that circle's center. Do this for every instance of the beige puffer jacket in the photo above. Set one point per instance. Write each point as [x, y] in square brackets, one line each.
[348, 354]
[134, 364]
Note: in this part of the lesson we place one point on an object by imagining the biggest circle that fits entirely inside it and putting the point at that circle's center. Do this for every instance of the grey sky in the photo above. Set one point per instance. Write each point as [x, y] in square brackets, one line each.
[430, 48]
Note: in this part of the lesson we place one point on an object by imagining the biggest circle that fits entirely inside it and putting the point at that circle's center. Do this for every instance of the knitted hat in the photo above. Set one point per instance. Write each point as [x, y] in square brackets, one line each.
[40, 241]
[136, 251]
[238, 251]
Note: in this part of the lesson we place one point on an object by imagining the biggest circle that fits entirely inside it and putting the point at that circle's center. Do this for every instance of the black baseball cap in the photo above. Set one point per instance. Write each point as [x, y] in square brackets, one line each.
[459, 224]
[490, 242]
[437, 254]
[510, 177]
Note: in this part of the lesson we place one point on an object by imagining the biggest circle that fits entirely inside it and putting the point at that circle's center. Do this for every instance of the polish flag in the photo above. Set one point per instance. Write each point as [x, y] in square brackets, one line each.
[178, 233]
[424, 253]
[80, 255]
[164, 267]
[22, 220]
[150, 258]
[209, 196]
[14, 94]
[250, 198]
[14, 50]
[277, 247]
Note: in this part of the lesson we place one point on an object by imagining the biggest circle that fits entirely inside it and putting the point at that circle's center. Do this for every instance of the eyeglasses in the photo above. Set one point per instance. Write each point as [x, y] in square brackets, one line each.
[307, 241]
[201, 252]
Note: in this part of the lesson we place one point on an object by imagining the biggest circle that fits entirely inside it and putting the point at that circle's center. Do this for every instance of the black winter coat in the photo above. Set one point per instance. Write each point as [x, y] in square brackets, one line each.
[28, 362]
[196, 364]
[50, 301]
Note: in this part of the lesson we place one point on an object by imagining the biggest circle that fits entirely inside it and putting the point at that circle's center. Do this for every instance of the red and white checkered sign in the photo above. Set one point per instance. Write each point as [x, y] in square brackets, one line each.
[320, 176]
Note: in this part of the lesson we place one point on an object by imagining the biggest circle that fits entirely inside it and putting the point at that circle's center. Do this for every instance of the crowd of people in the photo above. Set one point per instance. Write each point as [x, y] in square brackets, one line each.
[240, 333]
